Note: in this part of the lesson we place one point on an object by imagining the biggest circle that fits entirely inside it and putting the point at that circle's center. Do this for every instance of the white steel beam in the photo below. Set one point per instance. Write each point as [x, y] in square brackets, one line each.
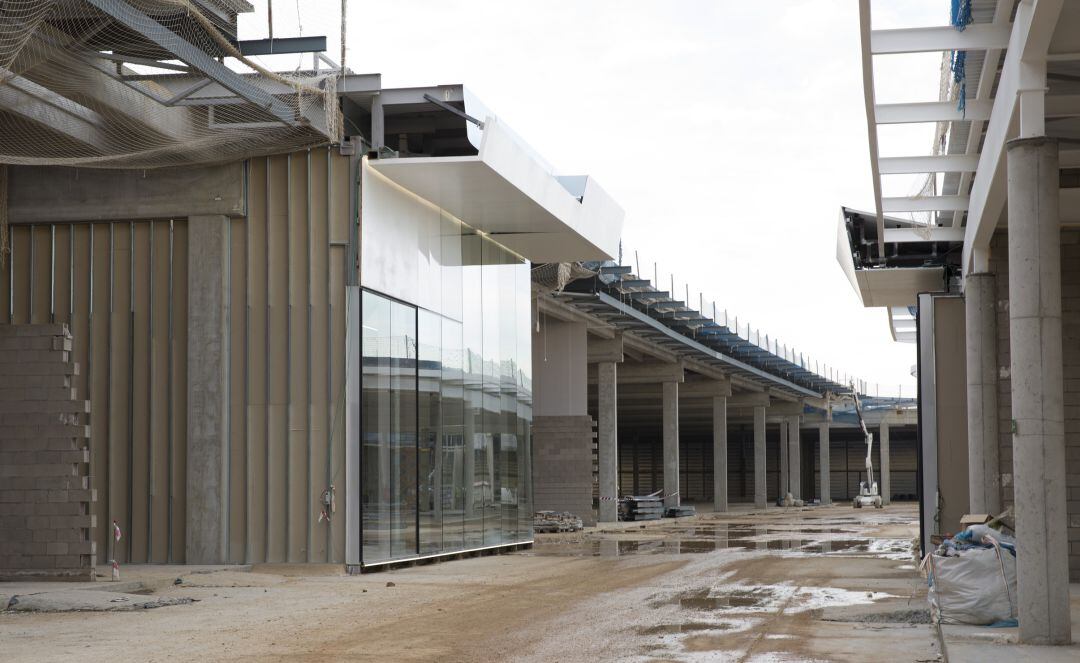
[932, 111]
[930, 234]
[940, 163]
[1029, 41]
[1002, 16]
[977, 36]
[924, 203]
[869, 100]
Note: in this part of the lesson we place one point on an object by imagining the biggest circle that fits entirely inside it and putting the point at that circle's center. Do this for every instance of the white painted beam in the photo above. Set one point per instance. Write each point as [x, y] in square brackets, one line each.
[924, 204]
[932, 111]
[1029, 41]
[984, 86]
[936, 234]
[869, 101]
[941, 163]
[977, 36]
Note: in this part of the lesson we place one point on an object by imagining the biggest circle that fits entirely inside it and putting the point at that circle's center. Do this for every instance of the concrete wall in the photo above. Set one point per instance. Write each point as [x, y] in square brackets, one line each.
[951, 380]
[560, 368]
[1070, 312]
[122, 287]
[46, 521]
[563, 465]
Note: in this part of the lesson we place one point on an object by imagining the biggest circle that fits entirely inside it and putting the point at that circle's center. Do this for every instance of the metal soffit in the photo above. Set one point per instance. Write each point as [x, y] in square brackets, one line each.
[629, 303]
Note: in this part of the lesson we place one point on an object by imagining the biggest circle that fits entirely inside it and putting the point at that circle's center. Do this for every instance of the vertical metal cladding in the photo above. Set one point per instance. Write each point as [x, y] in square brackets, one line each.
[121, 286]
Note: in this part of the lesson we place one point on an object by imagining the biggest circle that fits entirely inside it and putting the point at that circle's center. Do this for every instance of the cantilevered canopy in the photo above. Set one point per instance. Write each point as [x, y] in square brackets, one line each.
[1022, 78]
[509, 193]
[917, 258]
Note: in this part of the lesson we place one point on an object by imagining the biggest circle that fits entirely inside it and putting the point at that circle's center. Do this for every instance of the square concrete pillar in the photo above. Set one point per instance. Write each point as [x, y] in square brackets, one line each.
[207, 366]
[794, 458]
[607, 442]
[760, 498]
[671, 444]
[984, 472]
[720, 451]
[1035, 337]
[885, 486]
[823, 464]
[785, 480]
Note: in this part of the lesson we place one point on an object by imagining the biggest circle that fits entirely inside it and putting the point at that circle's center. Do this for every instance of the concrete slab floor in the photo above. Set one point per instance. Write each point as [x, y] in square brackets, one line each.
[812, 584]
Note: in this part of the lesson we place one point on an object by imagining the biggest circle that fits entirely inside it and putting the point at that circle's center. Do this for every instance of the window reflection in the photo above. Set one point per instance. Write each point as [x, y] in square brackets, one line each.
[446, 409]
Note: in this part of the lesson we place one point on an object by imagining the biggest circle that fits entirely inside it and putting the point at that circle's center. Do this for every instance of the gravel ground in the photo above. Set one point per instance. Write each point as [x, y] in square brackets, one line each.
[823, 583]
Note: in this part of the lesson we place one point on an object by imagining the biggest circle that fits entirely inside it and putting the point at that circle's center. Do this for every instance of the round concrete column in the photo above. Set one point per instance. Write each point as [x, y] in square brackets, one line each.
[794, 458]
[823, 464]
[984, 472]
[760, 498]
[1037, 391]
[671, 444]
[720, 464]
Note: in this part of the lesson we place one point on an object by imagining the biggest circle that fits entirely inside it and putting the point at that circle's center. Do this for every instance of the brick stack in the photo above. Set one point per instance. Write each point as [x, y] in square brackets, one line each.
[46, 526]
[563, 465]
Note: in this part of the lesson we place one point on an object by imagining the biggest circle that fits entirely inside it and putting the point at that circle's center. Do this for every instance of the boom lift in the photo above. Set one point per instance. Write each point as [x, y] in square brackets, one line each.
[868, 490]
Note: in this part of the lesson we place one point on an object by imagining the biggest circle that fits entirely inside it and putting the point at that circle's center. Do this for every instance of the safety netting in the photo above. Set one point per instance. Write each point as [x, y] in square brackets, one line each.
[146, 84]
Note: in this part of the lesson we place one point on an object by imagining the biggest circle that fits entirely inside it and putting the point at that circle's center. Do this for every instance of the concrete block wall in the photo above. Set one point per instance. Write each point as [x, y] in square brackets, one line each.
[1070, 312]
[47, 524]
[562, 449]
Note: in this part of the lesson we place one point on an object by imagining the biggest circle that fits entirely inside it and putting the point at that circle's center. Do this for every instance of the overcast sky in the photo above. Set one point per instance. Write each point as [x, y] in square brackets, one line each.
[731, 132]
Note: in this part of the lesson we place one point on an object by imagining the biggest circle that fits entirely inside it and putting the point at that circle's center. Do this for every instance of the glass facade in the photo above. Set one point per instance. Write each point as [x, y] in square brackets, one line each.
[446, 404]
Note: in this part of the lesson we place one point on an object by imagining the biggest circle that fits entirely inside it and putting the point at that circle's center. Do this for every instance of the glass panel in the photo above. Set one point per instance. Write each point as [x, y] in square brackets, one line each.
[447, 407]
[473, 341]
[375, 428]
[403, 459]
[524, 400]
[453, 402]
[492, 403]
[507, 453]
[429, 401]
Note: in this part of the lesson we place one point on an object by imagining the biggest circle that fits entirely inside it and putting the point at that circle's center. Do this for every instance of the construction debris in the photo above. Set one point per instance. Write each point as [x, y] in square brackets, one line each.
[556, 521]
[647, 507]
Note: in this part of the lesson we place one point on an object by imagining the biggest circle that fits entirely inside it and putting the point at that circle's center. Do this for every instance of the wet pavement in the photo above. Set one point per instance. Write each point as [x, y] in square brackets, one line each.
[784, 585]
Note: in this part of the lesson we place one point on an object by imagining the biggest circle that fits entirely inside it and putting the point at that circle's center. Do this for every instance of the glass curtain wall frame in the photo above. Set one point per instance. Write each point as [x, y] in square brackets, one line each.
[446, 407]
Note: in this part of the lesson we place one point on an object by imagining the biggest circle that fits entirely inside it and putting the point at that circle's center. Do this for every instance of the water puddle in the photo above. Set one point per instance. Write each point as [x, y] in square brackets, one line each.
[687, 627]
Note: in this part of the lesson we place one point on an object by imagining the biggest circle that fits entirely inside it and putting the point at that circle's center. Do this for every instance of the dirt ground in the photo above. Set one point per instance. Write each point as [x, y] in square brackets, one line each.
[820, 583]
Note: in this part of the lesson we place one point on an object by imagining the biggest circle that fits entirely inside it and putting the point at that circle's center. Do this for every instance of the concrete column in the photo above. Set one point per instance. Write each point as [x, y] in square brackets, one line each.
[885, 482]
[984, 472]
[607, 442]
[785, 481]
[823, 463]
[760, 498]
[207, 366]
[720, 464]
[671, 444]
[794, 458]
[1037, 391]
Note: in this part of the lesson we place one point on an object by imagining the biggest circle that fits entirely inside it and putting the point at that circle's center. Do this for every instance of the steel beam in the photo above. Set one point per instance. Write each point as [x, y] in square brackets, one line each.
[940, 163]
[1029, 42]
[977, 36]
[281, 45]
[924, 204]
[187, 52]
[933, 111]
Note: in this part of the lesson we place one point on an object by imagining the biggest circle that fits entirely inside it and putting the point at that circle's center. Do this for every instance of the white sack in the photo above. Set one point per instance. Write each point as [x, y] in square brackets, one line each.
[978, 586]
